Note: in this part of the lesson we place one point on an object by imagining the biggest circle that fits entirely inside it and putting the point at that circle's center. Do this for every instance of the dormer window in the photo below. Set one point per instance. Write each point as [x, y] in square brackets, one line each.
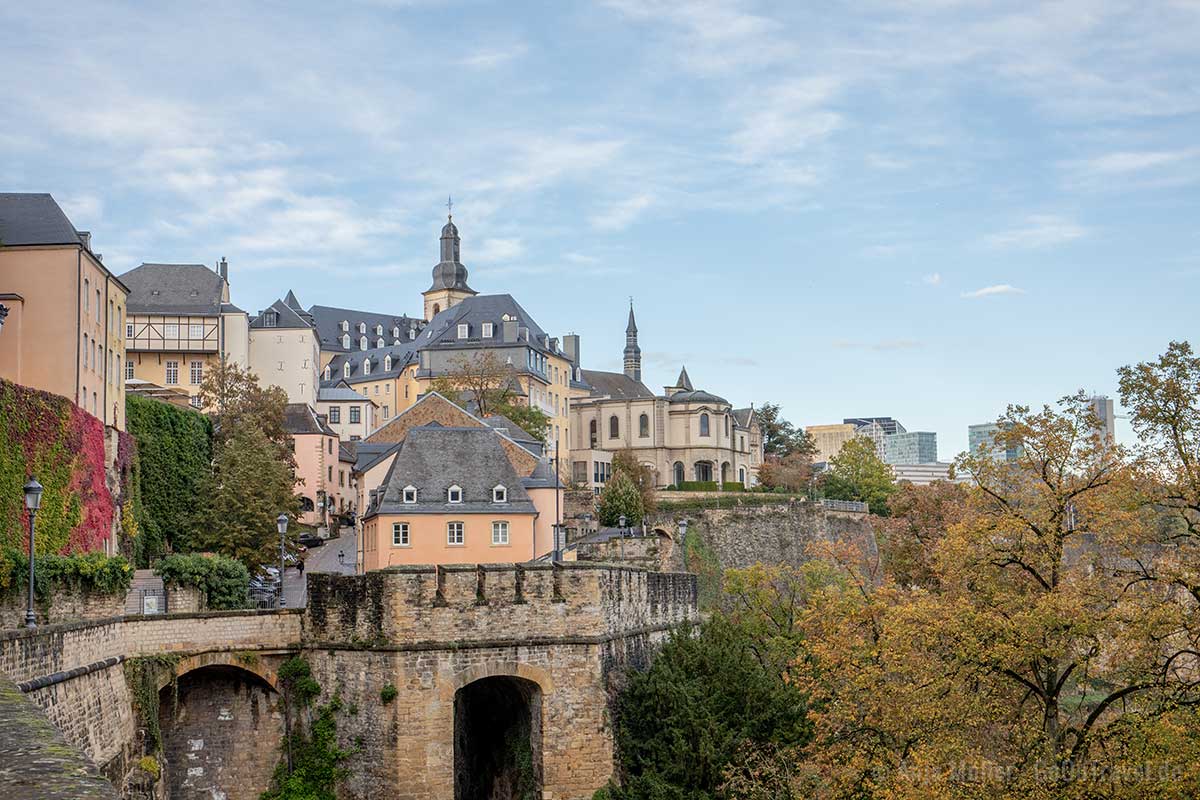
[366, 366]
[379, 342]
[463, 330]
[362, 343]
[499, 494]
[379, 330]
[362, 327]
[396, 333]
[387, 364]
[487, 330]
[328, 372]
[345, 326]
[345, 341]
[454, 494]
[346, 370]
[410, 494]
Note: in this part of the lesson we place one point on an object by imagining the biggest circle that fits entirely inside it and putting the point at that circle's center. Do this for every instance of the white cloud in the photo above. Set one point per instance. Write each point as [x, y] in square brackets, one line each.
[991, 291]
[785, 118]
[621, 215]
[932, 279]
[1039, 230]
[82, 209]
[499, 249]
[880, 346]
[494, 57]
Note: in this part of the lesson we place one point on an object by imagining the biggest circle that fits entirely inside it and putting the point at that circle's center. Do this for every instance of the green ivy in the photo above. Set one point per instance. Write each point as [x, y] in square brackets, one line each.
[87, 572]
[174, 453]
[142, 675]
[224, 581]
[312, 764]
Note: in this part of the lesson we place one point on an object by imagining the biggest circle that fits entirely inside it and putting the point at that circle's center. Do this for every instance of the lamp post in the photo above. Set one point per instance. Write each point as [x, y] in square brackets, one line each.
[33, 499]
[281, 522]
[683, 525]
[621, 524]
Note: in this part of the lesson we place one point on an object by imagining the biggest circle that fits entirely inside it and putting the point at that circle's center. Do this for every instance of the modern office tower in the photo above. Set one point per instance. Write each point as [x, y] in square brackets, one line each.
[1102, 407]
[829, 439]
[981, 439]
[910, 447]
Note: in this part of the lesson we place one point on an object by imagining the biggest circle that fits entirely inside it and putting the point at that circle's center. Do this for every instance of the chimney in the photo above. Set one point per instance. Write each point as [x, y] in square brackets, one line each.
[571, 347]
[510, 330]
[85, 238]
[223, 269]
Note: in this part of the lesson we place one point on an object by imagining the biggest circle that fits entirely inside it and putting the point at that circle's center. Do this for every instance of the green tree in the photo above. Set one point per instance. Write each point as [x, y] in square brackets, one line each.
[247, 489]
[705, 700]
[620, 497]
[642, 476]
[531, 420]
[857, 473]
[780, 437]
[233, 399]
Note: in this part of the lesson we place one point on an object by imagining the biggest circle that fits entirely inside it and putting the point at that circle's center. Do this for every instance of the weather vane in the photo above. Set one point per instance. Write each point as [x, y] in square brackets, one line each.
[449, 207]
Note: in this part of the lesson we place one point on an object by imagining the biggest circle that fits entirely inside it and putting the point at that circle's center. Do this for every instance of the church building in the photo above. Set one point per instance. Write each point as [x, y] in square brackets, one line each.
[684, 434]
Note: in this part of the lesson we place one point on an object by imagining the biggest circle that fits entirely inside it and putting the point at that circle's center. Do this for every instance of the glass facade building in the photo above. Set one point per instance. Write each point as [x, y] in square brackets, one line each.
[910, 447]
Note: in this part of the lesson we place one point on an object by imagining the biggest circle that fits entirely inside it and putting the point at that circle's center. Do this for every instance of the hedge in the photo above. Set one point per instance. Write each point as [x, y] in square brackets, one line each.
[174, 451]
[87, 572]
[225, 582]
[52, 439]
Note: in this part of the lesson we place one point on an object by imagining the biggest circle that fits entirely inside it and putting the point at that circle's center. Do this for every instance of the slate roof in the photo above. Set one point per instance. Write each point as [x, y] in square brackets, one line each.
[542, 477]
[434, 458]
[402, 355]
[28, 218]
[442, 330]
[514, 431]
[368, 454]
[328, 321]
[289, 318]
[683, 381]
[299, 418]
[334, 394]
[743, 416]
[616, 385]
[191, 289]
[696, 396]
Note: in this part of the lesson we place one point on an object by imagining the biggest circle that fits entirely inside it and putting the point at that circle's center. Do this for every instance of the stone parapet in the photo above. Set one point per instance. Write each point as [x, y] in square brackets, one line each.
[65, 605]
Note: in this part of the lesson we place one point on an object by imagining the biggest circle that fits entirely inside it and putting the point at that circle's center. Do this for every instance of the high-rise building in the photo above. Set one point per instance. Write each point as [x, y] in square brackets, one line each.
[981, 439]
[829, 439]
[876, 429]
[1102, 407]
[910, 447]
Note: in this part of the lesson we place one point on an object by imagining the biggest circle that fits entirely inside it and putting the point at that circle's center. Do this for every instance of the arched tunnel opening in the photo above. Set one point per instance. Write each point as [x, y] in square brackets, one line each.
[222, 728]
[498, 740]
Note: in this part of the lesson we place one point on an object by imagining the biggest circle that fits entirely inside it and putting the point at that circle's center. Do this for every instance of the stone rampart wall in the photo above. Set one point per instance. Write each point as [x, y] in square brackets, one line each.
[65, 605]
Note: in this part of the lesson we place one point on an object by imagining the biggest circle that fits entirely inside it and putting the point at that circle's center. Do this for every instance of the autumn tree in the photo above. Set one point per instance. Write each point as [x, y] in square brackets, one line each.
[909, 538]
[491, 386]
[858, 473]
[233, 398]
[793, 472]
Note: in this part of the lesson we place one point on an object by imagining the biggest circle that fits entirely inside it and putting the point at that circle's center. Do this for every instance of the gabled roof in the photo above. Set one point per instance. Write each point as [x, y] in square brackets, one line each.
[368, 454]
[328, 321]
[514, 431]
[616, 385]
[742, 417]
[289, 318]
[34, 218]
[299, 418]
[402, 355]
[442, 331]
[434, 458]
[191, 289]
[335, 393]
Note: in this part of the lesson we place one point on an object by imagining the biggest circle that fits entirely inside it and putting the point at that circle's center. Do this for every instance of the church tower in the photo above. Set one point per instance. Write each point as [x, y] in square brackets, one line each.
[633, 353]
[449, 276]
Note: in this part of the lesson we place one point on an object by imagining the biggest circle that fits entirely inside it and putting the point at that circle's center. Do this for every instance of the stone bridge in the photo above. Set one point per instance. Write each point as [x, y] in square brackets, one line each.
[455, 682]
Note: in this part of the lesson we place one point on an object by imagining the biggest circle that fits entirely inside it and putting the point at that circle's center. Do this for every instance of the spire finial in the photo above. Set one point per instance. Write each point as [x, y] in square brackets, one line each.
[449, 207]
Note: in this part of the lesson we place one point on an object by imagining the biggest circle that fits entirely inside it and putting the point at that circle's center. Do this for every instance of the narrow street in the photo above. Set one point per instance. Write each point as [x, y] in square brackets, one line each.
[321, 559]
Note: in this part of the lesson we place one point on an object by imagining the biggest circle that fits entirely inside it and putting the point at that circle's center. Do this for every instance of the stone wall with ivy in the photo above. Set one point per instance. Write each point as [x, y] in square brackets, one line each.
[48, 436]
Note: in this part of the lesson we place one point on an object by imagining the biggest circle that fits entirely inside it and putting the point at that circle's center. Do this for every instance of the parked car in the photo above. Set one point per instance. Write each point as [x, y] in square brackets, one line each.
[309, 539]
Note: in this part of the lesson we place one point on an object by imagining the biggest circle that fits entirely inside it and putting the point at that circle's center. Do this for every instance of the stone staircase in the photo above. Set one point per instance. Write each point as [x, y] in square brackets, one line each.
[146, 594]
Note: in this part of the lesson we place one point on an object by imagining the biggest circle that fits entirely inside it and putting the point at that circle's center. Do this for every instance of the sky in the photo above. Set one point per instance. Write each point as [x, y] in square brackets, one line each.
[925, 210]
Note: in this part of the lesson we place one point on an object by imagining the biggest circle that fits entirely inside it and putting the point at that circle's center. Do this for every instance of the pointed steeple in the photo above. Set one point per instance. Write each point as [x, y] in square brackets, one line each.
[683, 381]
[633, 353]
[292, 302]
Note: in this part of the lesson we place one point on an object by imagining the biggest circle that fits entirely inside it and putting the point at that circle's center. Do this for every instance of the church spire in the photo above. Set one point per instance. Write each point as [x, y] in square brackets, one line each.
[633, 353]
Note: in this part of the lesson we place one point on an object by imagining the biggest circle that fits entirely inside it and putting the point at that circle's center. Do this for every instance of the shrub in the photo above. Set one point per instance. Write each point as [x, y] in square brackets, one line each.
[698, 486]
[225, 582]
[86, 572]
[620, 497]
[387, 694]
[149, 765]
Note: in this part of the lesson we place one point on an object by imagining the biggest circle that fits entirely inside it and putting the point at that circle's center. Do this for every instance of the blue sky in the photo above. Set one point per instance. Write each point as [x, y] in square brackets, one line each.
[918, 209]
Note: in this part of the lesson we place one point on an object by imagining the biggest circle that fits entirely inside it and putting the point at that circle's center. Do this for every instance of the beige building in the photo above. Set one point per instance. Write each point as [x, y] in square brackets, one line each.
[285, 351]
[181, 324]
[684, 434]
[349, 414]
[829, 439]
[323, 482]
[64, 331]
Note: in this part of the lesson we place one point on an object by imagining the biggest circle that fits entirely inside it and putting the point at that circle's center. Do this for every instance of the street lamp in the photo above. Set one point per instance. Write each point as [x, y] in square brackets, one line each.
[33, 500]
[281, 523]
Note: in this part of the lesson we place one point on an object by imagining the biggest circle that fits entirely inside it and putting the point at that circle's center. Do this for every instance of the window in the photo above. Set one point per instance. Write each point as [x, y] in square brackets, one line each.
[614, 427]
[395, 333]
[87, 352]
[387, 364]
[726, 424]
[362, 343]
[463, 330]
[399, 534]
[335, 414]
[346, 370]
[385, 412]
[172, 373]
[362, 327]
[499, 495]
[195, 331]
[592, 434]
[330, 478]
[499, 533]
[741, 443]
[379, 330]
[644, 425]
[366, 366]
[341, 477]
[355, 415]
[454, 533]
[410, 494]
[171, 330]
[196, 373]
[128, 330]
[487, 330]
[128, 370]
[345, 326]
[195, 401]
[328, 372]
[601, 472]
[345, 341]
[704, 424]
[454, 494]
[379, 342]
[87, 302]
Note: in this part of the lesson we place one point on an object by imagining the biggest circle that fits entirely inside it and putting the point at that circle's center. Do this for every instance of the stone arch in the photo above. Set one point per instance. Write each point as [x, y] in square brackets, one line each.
[498, 738]
[493, 669]
[247, 662]
[726, 477]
